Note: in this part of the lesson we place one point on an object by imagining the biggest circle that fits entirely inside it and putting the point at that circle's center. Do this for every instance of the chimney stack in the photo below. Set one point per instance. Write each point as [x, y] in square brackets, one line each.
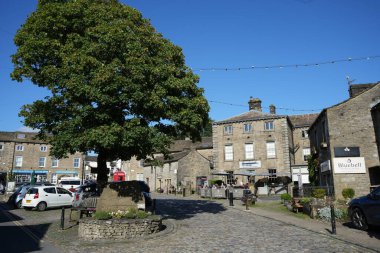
[254, 104]
[272, 109]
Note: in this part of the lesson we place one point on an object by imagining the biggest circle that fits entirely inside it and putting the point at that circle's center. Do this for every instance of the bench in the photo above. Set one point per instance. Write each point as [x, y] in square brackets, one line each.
[87, 207]
[296, 204]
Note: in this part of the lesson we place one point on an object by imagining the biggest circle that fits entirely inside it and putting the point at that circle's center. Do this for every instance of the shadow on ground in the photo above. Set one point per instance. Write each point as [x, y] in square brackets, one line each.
[180, 209]
[373, 231]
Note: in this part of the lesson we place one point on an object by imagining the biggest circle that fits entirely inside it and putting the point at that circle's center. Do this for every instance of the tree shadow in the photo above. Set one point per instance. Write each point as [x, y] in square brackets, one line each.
[22, 238]
[180, 209]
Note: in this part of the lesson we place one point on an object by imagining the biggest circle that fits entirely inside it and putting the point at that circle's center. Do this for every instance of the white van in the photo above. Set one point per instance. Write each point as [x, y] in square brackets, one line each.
[68, 182]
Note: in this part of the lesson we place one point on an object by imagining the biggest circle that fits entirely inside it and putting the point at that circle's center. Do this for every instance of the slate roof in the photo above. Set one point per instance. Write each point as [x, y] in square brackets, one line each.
[180, 145]
[303, 120]
[250, 116]
[29, 137]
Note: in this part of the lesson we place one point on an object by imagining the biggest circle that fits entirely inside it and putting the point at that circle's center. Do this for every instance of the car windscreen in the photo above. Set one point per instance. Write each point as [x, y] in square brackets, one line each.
[70, 182]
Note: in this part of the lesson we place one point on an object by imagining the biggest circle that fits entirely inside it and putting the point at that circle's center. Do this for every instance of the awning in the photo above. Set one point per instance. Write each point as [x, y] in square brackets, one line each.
[66, 172]
[221, 173]
[30, 171]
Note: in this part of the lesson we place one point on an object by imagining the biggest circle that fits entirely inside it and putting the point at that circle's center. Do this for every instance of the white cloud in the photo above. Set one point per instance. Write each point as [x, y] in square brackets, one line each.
[27, 129]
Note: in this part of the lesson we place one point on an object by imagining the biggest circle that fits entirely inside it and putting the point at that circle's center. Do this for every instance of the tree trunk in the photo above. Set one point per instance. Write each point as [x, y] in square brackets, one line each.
[103, 171]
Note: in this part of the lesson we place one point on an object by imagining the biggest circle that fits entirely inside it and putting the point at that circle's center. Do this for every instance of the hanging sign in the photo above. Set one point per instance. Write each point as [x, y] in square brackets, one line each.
[349, 165]
[250, 164]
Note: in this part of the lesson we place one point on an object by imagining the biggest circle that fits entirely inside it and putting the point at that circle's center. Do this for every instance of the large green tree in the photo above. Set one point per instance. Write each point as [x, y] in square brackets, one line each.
[117, 86]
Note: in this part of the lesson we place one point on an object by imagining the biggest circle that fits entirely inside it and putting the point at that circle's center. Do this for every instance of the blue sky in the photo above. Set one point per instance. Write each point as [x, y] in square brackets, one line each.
[238, 34]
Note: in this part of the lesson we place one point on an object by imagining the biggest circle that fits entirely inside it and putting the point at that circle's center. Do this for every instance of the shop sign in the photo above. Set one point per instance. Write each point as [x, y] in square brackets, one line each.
[325, 166]
[347, 151]
[349, 165]
[250, 164]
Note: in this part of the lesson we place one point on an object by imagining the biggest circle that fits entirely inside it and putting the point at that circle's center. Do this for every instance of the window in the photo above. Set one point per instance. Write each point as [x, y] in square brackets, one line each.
[305, 134]
[272, 175]
[228, 153]
[50, 190]
[63, 191]
[140, 177]
[19, 148]
[18, 161]
[54, 162]
[271, 149]
[41, 162]
[76, 162]
[141, 163]
[269, 126]
[249, 151]
[306, 153]
[43, 148]
[247, 128]
[1, 146]
[228, 130]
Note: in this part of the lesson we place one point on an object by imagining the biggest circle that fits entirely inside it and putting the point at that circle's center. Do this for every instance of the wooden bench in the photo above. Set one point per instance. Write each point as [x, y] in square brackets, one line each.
[87, 207]
[296, 204]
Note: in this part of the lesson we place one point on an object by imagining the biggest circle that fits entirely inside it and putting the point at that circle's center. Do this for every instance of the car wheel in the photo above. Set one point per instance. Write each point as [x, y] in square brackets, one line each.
[28, 208]
[41, 206]
[19, 204]
[358, 219]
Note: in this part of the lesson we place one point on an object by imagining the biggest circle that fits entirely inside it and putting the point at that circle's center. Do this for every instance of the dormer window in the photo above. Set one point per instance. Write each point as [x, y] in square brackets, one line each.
[20, 136]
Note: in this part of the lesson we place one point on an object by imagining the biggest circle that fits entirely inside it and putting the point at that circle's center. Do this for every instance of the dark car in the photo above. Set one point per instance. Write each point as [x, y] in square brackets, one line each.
[365, 211]
[85, 191]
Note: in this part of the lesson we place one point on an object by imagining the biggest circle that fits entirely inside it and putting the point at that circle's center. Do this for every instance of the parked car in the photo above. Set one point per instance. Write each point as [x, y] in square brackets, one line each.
[365, 211]
[85, 191]
[69, 182]
[16, 198]
[42, 197]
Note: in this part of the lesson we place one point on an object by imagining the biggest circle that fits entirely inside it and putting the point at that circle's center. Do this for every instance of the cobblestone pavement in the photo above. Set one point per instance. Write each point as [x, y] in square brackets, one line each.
[194, 225]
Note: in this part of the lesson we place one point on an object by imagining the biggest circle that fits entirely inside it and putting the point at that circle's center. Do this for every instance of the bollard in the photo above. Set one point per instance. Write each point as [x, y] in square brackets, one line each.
[154, 206]
[231, 198]
[246, 203]
[184, 192]
[333, 223]
[63, 218]
[227, 193]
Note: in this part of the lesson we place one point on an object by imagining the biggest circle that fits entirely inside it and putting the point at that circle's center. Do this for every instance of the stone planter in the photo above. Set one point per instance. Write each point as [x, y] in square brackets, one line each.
[118, 229]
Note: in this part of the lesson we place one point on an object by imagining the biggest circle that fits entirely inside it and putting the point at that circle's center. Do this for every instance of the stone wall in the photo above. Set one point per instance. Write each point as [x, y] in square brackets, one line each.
[118, 229]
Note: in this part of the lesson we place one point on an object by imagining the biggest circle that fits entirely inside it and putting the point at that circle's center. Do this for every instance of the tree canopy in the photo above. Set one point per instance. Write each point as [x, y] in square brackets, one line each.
[118, 87]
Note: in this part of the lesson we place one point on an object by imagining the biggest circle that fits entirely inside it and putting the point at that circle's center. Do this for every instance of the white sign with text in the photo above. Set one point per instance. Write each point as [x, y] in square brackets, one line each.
[349, 165]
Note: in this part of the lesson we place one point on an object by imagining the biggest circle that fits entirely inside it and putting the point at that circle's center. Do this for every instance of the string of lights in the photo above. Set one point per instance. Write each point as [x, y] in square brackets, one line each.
[316, 64]
[281, 108]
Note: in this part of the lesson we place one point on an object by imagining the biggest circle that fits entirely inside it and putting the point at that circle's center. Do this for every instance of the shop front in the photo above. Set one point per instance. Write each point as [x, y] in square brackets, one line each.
[58, 174]
[25, 176]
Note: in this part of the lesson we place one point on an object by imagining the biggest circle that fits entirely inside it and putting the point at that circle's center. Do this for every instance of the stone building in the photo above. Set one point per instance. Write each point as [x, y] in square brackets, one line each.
[253, 143]
[186, 163]
[345, 140]
[301, 146]
[22, 153]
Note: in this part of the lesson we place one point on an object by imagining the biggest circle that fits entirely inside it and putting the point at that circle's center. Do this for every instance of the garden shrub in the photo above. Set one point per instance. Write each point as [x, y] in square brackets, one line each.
[319, 193]
[348, 193]
[325, 213]
[305, 201]
[102, 215]
[141, 214]
[286, 196]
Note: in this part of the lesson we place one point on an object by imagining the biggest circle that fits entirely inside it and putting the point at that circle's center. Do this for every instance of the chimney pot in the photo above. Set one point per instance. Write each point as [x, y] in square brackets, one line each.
[272, 109]
[254, 104]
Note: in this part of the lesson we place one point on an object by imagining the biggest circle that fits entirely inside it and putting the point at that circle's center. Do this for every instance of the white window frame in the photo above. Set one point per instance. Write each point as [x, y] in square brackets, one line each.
[271, 149]
[18, 161]
[42, 162]
[247, 128]
[19, 148]
[76, 162]
[228, 153]
[43, 148]
[268, 125]
[228, 130]
[305, 134]
[305, 152]
[249, 153]
[54, 162]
